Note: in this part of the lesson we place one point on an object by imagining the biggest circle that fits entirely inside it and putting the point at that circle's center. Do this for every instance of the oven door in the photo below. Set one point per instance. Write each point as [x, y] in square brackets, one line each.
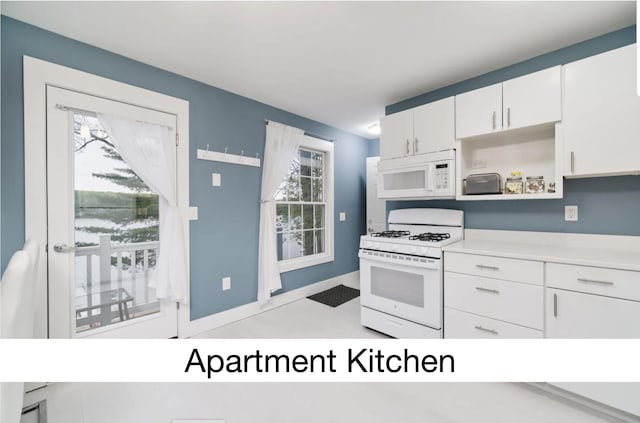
[411, 289]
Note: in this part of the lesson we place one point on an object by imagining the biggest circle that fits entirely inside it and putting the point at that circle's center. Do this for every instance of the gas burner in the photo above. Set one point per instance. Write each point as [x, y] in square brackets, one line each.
[391, 234]
[431, 237]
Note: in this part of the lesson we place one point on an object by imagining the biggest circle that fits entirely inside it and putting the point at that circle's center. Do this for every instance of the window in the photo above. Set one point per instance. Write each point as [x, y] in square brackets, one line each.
[304, 207]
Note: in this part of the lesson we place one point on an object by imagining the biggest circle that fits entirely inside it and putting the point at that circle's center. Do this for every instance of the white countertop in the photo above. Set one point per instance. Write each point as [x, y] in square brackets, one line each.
[550, 251]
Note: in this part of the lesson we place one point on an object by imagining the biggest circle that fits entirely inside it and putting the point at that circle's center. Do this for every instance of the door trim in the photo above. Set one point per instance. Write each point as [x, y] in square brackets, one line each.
[37, 75]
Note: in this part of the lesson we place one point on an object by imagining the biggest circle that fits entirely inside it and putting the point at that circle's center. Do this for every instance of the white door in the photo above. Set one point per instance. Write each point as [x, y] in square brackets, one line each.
[479, 111]
[102, 226]
[376, 207]
[396, 135]
[433, 126]
[532, 99]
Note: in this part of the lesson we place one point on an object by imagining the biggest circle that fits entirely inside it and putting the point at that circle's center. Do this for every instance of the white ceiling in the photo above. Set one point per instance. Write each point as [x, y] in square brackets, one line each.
[338, 63]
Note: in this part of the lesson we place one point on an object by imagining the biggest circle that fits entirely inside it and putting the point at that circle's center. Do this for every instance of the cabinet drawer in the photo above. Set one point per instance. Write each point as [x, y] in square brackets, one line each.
[517, 270]
[458, 324]
[503, 300]
[594, 280]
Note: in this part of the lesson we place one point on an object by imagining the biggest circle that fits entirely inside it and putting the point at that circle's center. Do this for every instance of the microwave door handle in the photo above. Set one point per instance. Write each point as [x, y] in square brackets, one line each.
[430, 177]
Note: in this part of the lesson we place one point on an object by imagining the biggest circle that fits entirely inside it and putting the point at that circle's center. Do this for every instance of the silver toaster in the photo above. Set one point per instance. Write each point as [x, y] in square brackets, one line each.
[482, 183]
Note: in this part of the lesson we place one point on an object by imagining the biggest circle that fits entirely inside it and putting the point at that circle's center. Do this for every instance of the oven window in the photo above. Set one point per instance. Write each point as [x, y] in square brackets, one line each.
[402, 287]
[404, 180]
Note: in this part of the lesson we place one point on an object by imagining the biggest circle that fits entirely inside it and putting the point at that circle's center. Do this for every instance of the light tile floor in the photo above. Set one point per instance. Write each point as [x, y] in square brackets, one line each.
[304, 402]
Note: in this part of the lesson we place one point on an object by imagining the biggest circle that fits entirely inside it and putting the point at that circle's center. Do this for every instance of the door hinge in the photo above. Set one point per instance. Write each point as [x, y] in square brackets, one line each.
[177, 139]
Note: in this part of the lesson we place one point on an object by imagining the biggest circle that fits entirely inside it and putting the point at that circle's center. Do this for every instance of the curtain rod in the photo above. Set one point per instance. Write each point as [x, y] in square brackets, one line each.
[95, 115]
[310, 134]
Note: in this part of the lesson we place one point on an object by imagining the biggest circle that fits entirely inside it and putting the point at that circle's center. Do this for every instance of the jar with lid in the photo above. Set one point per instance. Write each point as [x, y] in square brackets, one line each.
[534, 185]
[514, 184]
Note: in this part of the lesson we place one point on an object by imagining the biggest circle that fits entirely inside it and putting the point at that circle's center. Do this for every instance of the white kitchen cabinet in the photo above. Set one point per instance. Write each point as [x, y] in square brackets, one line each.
[479, 111]
[532, 99]
[601, 116]
[434, 126]
[424, 129]
[579, 315]
[492, 297]
[529, 100]
[396, 135]
[591, 302]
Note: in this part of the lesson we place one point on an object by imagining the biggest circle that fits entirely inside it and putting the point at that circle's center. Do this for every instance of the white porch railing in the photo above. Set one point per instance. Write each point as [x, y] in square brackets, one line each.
[114, 285]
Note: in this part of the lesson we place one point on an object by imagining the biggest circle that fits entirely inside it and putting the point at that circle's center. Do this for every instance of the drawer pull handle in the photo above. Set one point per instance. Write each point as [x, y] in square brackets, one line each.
[495, 332]
[395, 323]
[493, 291]
[484, 266]
[555, 305]
[585, 280]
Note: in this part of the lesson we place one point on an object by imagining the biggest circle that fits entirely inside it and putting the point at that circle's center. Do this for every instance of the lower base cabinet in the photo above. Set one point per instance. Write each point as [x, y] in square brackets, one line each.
[582, 315]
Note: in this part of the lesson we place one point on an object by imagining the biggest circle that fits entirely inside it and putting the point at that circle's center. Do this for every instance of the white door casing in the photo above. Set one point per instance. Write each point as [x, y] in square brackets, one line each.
[38, 75]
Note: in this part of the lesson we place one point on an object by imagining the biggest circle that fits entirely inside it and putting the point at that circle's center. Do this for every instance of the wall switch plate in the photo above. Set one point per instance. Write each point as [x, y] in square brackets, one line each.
[571, 213]
[343, 216]
[226, 283]
[216, 179]
[193, 213]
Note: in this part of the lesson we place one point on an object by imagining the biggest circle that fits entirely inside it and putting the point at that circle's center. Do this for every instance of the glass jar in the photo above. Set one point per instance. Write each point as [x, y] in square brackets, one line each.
[514, 184]
[534, 185]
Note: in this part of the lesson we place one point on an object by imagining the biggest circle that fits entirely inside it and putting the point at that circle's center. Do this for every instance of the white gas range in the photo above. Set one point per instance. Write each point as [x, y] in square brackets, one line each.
[401, 272]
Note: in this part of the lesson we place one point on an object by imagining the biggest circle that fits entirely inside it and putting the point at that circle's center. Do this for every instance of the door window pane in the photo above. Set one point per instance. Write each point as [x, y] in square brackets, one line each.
[116, 232]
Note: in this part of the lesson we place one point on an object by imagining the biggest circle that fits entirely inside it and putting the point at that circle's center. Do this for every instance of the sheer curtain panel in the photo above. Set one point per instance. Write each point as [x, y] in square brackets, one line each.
[150, 152]
[281, 147]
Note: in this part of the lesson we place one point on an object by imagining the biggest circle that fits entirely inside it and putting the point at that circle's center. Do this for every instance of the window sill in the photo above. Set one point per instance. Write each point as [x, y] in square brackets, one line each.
[302, 262]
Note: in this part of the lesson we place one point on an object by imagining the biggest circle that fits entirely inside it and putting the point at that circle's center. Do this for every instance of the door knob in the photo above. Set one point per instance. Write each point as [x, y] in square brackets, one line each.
[63, 248]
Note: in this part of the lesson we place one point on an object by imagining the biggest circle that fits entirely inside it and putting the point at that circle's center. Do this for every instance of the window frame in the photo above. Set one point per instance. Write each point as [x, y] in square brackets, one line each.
[326, 147]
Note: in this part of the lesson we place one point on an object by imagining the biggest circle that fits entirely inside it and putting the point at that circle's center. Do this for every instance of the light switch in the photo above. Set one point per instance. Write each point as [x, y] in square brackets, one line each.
[216, 180]
[343, 216]
[226, 283]
[193, 213]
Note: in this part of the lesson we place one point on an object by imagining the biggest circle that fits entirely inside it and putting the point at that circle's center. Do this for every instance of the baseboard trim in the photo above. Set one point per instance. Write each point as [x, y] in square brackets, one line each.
[199, 326]
[596, 408]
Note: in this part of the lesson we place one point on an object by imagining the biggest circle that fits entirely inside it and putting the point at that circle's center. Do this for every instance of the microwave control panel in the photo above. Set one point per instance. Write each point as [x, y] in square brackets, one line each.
[443, 177]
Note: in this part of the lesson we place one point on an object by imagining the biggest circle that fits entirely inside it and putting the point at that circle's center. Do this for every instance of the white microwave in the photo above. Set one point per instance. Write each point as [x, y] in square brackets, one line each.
[424, 176]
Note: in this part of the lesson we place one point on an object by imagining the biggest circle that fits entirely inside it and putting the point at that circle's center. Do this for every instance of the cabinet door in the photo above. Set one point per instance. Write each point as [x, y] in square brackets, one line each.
[396, 135]
[433, 126]
[600, 116]
[479, 111]
[578, 315]
[532, 99]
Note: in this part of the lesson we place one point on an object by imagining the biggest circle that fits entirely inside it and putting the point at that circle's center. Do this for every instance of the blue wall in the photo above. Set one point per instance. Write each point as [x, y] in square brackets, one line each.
[607, 205]
[224, 241]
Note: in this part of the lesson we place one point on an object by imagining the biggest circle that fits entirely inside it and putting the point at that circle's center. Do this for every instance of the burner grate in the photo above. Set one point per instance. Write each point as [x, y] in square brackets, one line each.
[391, 234]
[430, 237]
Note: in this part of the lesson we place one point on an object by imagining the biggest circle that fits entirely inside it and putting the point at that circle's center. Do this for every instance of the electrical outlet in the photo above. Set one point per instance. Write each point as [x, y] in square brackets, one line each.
[478, 164]
[571, 213]
[226, 283]
[343, 216]
[216, 180]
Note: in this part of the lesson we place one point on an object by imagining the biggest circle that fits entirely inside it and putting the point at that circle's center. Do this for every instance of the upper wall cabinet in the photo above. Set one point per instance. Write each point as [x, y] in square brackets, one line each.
[424, 129]
[602, 115]
[529, 100]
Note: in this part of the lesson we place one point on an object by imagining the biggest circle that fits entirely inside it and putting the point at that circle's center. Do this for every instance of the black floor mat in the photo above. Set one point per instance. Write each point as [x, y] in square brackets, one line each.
[335, 296]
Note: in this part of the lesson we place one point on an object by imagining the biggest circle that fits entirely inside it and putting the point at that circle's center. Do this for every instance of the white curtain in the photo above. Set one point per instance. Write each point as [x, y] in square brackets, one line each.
[281, 147]
[150, 152]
